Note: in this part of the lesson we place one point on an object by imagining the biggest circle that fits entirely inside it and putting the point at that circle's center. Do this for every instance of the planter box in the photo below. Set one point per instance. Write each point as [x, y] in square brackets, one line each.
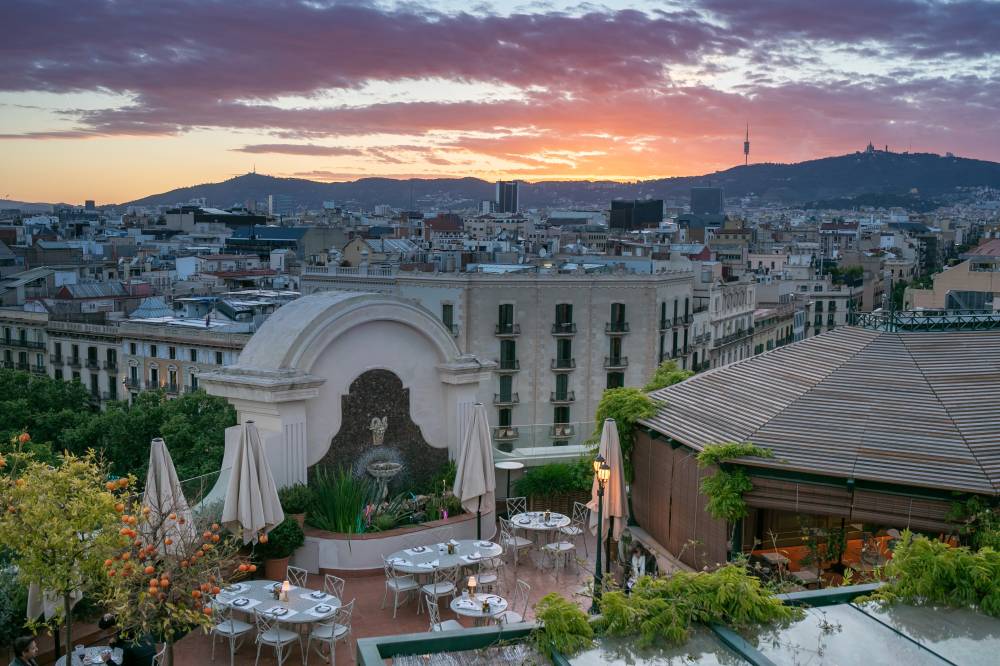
[562, 503]
[338, 553]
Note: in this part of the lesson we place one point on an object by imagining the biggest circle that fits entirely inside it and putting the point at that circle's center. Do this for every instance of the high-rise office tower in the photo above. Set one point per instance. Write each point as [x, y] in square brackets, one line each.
[629, 215]
[706, 201]
[508, 200]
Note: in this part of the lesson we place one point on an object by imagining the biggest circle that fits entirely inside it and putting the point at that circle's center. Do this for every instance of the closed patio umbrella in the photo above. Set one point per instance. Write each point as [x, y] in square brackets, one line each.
[164, 496]
[475, 480]
[615, 498]
[252, 505]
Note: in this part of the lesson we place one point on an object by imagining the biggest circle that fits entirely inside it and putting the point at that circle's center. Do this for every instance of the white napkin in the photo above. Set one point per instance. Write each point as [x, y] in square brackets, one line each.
[453, 542]
[315, 613]
[277, 611]
[250, 603]
[318, 597]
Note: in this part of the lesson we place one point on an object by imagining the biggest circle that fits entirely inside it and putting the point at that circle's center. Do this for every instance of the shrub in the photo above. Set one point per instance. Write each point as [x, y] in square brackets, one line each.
[440, 481]
[296, 499]
[626, 406]
[563, 626]
[339, 500]
[282, 541]
[556, 479]
[13, 602]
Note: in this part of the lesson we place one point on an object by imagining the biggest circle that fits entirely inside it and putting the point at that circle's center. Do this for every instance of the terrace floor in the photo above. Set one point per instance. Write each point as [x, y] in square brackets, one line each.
[371, 620]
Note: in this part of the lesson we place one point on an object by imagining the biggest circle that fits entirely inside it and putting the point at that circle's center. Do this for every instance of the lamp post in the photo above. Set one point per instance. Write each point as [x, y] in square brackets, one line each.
[602, 472]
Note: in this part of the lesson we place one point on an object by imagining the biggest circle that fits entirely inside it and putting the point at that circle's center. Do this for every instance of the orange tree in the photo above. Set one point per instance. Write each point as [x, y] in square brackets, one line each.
[166, 570]
[58, 521]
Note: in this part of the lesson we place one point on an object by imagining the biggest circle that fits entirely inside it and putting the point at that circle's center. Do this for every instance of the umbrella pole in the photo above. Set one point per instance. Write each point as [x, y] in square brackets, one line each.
[479, 519]
[607, 544]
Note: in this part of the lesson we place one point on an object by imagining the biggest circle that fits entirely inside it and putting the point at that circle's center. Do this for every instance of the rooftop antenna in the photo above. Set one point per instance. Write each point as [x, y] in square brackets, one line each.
[746, 147]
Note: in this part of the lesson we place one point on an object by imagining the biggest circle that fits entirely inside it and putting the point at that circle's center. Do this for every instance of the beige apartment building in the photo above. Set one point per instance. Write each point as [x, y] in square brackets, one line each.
[559, 339]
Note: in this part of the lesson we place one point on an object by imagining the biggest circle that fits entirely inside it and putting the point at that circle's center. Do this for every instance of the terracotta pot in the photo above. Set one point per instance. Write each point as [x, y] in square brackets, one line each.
[300, 518]
[276, 569]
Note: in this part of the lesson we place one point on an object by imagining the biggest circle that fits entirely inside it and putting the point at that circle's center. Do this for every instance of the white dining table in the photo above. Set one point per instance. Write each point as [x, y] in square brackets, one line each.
[91, 655]
[472, 606]
[303, 605]
[428, 559]
[535, 521]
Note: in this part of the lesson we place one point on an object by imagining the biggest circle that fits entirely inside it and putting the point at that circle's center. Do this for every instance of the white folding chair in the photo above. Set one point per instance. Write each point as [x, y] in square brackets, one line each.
[271, 634]
[516, 505]
[434, 613]
[398, 584]
[443, 584]
[511, 542]
[518, 610]
[298, 576]
[578, 527]
[329, 631]
[334, 585]
[229, 629]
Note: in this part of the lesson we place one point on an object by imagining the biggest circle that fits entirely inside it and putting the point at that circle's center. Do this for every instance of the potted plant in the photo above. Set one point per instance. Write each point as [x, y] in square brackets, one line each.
[281, 542]
[295, 500]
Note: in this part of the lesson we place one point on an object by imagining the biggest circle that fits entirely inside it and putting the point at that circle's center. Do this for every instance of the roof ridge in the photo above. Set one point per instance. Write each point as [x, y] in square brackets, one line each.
[944, 407]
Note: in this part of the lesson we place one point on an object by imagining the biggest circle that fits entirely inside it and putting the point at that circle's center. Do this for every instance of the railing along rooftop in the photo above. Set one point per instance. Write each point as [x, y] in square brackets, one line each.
[926, 320]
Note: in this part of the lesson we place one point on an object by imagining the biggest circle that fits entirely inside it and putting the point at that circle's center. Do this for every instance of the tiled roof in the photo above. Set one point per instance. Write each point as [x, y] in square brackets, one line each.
[916, 409]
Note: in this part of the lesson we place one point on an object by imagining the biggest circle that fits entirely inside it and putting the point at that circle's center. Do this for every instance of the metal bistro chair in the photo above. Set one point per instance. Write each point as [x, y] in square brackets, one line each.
[160, 657]
[334, 585]
[578, 526]
[561, 552]
[435, 615]
[511, 542]
[298, 576]
[229, 629]
[443, 584]
[335, 628]
[489, 574]
[512, 615]
[516, 505]
[270, 633]
[398, 584]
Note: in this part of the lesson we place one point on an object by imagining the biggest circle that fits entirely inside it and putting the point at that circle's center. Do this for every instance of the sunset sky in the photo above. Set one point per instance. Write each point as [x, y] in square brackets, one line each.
[113, 100]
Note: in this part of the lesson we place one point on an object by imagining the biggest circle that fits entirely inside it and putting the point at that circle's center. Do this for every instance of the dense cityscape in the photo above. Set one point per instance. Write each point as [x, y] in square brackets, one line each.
[427, 335]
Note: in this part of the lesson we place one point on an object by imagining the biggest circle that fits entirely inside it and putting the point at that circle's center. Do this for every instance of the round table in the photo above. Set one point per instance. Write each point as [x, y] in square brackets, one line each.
[534, 520]
[436, 556]
[92, 655]
[472, 606]
[301, 603]
[510, 466]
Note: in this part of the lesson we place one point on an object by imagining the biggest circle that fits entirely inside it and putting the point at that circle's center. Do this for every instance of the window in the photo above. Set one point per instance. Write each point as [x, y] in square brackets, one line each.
[57, 348]
[616, 379]
[448, 316]
[618, 316]
[564, 351]
[154, 377]
[172, 378]
[663, 317]
[663, 339]
[564, 314]
[153, 351]
[172, 352]
[685, 340]
[76, 352]
[95, 387]
[819, 306]
[59, 374]
[112, 390]
[508, 354]
[194, 382]
[675, 309]
[562, 387]
[561, 414]
[506, 388]
[193, 355]
[39, 360]
[131, 348]
[674, 346]
[687, 306]
[133, 373]
[112, 358]
[6, 333]
[615, 350]
[76, 377]
[505, 318]
[218, 358]
[505, 417]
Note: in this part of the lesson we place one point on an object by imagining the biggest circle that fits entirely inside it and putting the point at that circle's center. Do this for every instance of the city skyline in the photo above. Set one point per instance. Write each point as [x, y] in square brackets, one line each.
[112, 101]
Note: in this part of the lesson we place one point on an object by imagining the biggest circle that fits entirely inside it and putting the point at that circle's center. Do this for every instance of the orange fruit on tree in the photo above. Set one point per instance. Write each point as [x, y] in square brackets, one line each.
[215, 538]
[207, 610]
[196, 594]
[253, 568]
[263, 538]
[168, 541]
[206, 535]
[215, 527]
[151, 591]
[182, 520]
[119, 507]
[146, 510]
[244, 568]
[110, 485]
[20, 483]
[184, 564]
[108, 563]
[154, 582]
[24, 438]
[111, 573]
[216, 590]
[205, 587]
[124, 531]
[126, 555]
[164, 582]
[172, 516]
[123, 482]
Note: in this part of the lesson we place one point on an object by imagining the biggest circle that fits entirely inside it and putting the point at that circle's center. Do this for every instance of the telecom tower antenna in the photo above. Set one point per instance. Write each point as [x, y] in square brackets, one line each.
[746, 147]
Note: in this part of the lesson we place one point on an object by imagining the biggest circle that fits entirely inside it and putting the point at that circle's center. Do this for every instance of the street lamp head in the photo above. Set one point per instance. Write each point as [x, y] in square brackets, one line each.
[598, 461]
[604, 473]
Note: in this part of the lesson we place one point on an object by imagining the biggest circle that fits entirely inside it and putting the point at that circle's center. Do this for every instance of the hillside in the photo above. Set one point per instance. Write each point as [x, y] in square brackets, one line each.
[829, 178]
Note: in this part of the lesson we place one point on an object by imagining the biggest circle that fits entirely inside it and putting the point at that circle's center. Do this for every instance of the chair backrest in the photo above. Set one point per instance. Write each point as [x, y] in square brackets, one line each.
[446, 575]
[516, 505]
[221, 613]
[489, 565]
[160, 657]
[506, 535]
[521, 595]
[344, 613]
[580, 513]
[333, 585]
[432, 611]
[265, 623]
[297, 576]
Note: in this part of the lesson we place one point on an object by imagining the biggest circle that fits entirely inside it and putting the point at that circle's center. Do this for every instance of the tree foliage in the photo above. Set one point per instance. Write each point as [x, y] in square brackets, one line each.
[725, 488]
[563, 627]
[667, 374]
[930, 572]
[665, 608]
[59, 523]
[626, 406]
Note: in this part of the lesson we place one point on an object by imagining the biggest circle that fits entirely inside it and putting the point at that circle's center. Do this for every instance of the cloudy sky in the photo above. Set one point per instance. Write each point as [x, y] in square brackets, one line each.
[113, 100]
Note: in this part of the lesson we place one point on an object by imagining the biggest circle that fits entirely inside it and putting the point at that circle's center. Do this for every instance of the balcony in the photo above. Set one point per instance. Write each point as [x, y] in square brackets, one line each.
[565, 328]
[27, 344]
[74, 362]
[733, 337]
[702, 338]
[563, 363]
[56, 359]
[502, 400]
[111, 366]
[108, 396]
[93, 364]
[615, 362]
[688, 318]
[699, 308]
[190, 389]
[616, 327]
[172, 389]
[562, 430]
[507, 330]
[665, 324]
[505, 433]
[678, 321]
[562, 398]
[7, 365]
[508, 365]
[133, 384]
[38, 369]
[23, 366]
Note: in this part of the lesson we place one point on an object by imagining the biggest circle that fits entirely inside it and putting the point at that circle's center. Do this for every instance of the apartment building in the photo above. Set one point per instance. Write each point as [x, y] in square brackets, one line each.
[23, 340]
[559, 339]
[86, 353]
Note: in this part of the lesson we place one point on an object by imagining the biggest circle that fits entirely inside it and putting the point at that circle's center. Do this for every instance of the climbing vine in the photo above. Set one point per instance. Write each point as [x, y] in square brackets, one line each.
[626, 406]
[725, 488]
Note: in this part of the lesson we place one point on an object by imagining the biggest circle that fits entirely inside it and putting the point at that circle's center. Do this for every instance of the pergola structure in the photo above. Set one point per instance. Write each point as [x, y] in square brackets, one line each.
[868, 426]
